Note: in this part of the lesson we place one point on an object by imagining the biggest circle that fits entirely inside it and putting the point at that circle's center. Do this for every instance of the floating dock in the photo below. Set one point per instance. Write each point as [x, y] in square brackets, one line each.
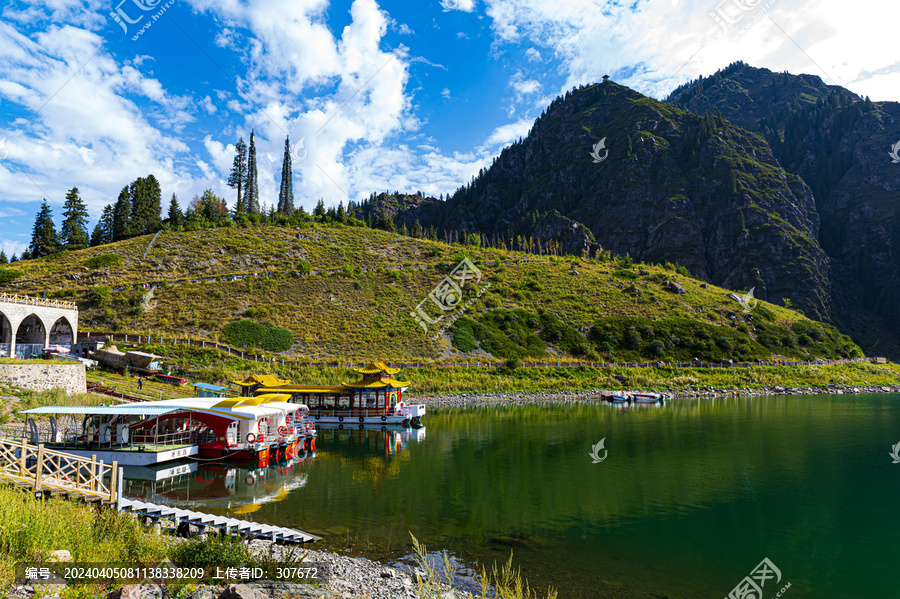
[184, 518]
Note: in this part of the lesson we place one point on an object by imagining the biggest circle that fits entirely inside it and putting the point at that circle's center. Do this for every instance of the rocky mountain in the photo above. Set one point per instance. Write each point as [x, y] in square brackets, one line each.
[659, 183]
[839, 144]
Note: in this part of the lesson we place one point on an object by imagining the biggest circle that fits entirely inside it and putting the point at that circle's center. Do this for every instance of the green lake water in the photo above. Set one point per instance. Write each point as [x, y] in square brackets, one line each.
[690, 498]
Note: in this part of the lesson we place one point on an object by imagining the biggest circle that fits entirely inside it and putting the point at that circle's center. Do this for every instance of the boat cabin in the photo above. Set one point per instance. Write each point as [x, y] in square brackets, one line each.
[377, 398]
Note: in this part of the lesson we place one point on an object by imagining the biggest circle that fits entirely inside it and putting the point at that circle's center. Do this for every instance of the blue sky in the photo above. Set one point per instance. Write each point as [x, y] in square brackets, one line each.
[389, 95]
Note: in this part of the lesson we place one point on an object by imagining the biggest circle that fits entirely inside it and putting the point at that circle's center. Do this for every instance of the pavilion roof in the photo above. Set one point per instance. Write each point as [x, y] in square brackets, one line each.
[377, 384]
[268, 380]
[376, 368]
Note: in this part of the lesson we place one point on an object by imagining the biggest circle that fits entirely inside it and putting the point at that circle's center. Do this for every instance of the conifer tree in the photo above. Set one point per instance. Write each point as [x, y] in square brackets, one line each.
[146, 205]
[175, 218]
[3, 259]
[122, 216]
[340, 216]
[238, 177]
[43, 235]
[96, 236]
[319, 212]
[251, 180]
[74, 235]
[107, 224]
[286, 193]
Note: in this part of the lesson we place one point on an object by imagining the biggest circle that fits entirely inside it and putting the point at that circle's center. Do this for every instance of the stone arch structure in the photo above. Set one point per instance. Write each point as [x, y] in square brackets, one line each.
[61, 333]
[31, 330]
[31, 320]
[6, 334]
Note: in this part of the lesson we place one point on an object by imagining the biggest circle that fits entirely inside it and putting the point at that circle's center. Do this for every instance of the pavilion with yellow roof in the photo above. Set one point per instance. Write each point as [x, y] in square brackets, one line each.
[376, 397]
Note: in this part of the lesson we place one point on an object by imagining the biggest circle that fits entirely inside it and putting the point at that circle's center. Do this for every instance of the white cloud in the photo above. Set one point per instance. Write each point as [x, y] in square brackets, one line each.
[445, 93]
[506, 134]
[654, 46]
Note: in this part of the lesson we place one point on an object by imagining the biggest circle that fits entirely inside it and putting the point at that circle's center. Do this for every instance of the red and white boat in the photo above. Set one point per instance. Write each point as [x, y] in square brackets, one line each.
[258, 430]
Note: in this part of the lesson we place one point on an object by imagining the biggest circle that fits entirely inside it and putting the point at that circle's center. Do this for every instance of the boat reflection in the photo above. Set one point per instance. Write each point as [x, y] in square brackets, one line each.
[240, 490]
[367, 440]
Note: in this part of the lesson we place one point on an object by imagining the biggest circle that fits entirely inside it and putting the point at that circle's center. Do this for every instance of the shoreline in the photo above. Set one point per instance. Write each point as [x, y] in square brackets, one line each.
[531, 398]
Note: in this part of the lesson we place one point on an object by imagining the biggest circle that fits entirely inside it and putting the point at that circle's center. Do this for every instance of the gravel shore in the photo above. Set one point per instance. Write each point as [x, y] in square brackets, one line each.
[525, 398]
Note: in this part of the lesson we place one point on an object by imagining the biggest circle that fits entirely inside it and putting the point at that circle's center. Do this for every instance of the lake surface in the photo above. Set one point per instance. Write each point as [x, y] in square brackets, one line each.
[690, 498]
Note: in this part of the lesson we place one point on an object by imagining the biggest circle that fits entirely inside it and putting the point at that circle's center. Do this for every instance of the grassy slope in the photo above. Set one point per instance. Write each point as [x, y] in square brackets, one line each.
[342, 312]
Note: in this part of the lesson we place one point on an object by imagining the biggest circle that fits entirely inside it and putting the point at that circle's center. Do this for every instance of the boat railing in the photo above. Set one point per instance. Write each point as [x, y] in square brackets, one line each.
[354, 412]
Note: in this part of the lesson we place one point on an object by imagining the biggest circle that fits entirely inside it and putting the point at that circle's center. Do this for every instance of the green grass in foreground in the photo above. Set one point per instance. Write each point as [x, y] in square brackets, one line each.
[31, 528]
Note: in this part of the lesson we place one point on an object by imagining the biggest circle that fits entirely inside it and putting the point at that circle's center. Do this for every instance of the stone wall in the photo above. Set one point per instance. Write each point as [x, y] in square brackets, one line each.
[43, 377]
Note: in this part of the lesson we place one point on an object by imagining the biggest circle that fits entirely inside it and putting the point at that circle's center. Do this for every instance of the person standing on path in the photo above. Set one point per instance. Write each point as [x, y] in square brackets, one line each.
[140, 384]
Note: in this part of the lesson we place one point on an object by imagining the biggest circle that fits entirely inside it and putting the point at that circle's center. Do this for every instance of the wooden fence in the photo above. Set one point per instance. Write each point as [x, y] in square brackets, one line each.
[37, 301]
[247, 356]
[46, 470]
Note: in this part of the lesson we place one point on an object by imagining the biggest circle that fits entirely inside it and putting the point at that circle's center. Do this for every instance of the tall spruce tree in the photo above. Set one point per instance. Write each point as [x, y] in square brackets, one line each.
[286, 193]
[43, 235]
[146, 205]
[73, 234]
[107, 224]
[251, 195]
[3, 259]
[97, 236]
[238, 177]
[175, 217]
[122, 216]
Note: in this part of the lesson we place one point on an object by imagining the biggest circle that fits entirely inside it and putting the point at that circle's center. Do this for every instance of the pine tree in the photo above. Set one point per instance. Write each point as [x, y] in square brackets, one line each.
[286, 193]
[74, 235]
[238, 177]
[417, 229]
[175, 218]
[122, 216]
[319, 211]
[251, 180]
[3, 259]
[340, 216]
[97, 236]
[107, 224]
[43, 236]
[146, 205]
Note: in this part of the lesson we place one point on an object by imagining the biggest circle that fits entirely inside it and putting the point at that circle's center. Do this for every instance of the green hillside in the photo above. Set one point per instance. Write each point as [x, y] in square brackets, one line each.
[347, 292]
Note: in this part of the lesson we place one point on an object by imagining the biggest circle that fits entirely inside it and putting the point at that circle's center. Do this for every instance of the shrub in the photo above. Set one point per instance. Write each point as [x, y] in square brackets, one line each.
[657, 348]
[303, 267]
[103, 260]
[8, 275]
[212, 552]
[254, 334]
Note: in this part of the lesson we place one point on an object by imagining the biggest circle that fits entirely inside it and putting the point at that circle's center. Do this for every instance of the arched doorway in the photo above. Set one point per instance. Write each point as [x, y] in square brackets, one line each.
[61, 333]
[5, 335]
[30, 337]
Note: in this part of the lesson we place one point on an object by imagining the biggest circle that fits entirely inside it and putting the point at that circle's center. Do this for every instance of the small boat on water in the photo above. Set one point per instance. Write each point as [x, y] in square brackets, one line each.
[376, 399]
[616, 397]
[257, 430]
[646, 397]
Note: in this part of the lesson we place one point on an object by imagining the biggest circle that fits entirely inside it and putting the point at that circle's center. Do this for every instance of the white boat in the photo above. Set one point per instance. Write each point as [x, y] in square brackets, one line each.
[646, 397]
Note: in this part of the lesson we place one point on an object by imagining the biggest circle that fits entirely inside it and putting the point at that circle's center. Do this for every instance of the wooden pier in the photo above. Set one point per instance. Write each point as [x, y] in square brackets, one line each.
[58, 473]
[185, 518]
[47, 471]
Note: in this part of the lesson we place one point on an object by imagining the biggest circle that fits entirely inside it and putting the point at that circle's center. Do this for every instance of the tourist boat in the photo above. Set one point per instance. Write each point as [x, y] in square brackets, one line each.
[258, 430]
[376, 399]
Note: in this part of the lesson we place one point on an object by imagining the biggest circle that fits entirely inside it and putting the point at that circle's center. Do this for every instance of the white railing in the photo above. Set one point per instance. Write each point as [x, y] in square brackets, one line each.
[37, 301]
